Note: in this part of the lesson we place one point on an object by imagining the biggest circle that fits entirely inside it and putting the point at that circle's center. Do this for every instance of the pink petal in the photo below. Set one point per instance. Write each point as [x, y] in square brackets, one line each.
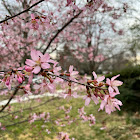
[51, 88]
[113, 94]
[45, 57]
[95, 99]
[32, 16]
[20, 68]
[117, 90]
[36, 70]
[75, 95]
[85, 97]
[39, 53]
[117, 106]
[51, 61]
[107, 109]
[110, 89]
[71, 69]
[113, 78]
[87, 101]
[108, 81]
[106, 97]
[65, 95]
[30, 62]
[94, 74]
[34, 55]
[28, 69]
[30, 78]
[74, 73]
[117, 101]
[57, 79]
[116, 83]
[102, 105]
[45, 65]
[99, 79]
[19, 79]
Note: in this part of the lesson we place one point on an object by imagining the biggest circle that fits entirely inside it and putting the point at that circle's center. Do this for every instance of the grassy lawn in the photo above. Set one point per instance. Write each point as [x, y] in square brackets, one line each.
[119, 126]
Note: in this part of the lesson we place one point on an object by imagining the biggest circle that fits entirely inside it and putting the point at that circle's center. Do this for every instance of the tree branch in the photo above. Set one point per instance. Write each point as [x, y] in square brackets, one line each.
[15, 92]
[60, 30]
[21, 11]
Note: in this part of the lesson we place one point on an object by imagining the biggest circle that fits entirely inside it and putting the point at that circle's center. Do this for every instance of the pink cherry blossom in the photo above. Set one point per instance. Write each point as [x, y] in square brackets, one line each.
[98, 79]
[38, 61]
[69, 96]
[110, 104]
[88, 98]
[7, 81]
[113, 84]
[34, 22]
[92, 119]
[56, 69]
[73, 73]
[19, 76]
[45, 86]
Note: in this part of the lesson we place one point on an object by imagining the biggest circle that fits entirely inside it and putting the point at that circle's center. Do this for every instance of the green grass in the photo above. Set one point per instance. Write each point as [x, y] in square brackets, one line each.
[121, 126]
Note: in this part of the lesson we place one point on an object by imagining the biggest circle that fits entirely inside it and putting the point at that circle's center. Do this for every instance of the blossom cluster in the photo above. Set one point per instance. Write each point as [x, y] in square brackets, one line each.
[50, 74]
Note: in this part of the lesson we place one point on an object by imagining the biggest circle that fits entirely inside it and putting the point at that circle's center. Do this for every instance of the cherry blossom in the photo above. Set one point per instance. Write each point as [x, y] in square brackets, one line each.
[88, 98]
[73, 73]
[110, 104]
[34, 22]
[98, 79]
[113, 85]
[69, 95]
[38, 61]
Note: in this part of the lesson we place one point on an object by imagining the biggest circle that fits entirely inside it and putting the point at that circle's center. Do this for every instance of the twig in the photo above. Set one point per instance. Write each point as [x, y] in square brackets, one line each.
[26, 10]
[15, 92]
[60, 30]
[86, 85]
[67, 80]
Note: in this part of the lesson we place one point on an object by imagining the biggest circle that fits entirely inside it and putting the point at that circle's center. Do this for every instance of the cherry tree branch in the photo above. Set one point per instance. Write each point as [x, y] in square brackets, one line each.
[26, 10]
[86, 85]
[60, 30]
[15, 92]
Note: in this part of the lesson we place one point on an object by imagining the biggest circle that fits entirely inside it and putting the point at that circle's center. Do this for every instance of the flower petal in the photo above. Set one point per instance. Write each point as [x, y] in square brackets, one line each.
[34, 55]
[71, 69]
[95, 99]
[75, 95]
[45, 65]
[87, 101]
[110, 89]
[94, 74]
[99, 79]
[30, 62]
[113, 78]
[116, 83]
[102, 105]
[45, 57]
[32, 16]
[36, 70]
[108, 81]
